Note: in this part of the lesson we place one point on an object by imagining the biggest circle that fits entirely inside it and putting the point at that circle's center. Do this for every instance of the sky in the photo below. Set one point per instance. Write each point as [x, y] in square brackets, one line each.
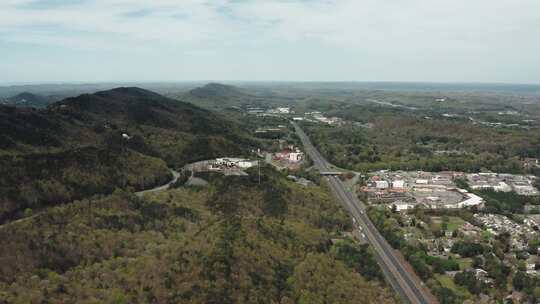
[281, 40]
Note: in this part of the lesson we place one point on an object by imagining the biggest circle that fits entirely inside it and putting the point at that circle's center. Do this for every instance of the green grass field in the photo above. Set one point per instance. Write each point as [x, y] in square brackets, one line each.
[464, 263]
[448, 282]
[455, 223]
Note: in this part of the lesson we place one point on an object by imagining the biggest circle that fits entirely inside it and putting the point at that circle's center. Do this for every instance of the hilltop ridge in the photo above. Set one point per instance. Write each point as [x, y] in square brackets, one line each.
[217, 90]
[76, 147]
[27, 99]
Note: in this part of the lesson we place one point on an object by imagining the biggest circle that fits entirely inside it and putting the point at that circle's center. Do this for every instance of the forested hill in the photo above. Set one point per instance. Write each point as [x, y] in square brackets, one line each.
[219, 97]
[27, 99]
[217, 90]
[94, 143]
[240, 240]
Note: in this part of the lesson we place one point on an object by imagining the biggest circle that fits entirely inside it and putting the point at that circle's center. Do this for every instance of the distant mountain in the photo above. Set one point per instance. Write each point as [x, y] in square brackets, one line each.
[94, 143]
[219, 97]
[217, 90]
[27, 99]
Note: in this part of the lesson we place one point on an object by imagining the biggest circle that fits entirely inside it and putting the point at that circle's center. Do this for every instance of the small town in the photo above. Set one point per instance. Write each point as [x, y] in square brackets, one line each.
[407, 190]
[521, 184]
[288, 112]
[476, 247]
[444, 213]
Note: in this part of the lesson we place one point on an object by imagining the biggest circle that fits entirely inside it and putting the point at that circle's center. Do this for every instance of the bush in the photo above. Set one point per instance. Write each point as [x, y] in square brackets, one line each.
[359, 258]
[182, 179]
[468, 249]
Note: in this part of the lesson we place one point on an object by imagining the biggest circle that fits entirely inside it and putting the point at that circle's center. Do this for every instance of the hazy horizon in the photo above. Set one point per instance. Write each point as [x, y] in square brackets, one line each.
[269, 81]
[77, 88]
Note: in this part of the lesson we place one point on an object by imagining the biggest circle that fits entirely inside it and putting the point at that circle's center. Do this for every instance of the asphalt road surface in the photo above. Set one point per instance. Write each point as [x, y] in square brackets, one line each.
[396, 273]
[175, 174]
[140, 193]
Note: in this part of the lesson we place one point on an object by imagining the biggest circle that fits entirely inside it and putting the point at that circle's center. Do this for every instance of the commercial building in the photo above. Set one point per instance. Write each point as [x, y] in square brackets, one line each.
[405, 190]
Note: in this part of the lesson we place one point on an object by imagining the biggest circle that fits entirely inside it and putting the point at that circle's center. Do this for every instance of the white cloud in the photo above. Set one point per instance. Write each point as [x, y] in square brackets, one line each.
[402, 24]
[167, 22]
[459, 32]
[345, 23]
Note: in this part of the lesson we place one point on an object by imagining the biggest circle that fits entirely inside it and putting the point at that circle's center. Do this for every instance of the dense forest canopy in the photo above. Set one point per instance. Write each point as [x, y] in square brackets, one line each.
[236, 241]
[410, 141]
[93, 143]
[71, 169]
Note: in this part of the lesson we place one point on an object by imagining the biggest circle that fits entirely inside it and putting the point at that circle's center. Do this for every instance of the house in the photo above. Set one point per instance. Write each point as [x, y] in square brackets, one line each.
[452, 273]
[442, 179]
[525, 189]
[235, 162]
[283, 110]
[472, 200]
[480, 273]
[469, 229]
[295, 156]
[245, 164]
[530, 264]
[290, 153]
[502, 187]
[398, 184]
[401, 205]
[382, 195]
[531, 163]
[382, 184]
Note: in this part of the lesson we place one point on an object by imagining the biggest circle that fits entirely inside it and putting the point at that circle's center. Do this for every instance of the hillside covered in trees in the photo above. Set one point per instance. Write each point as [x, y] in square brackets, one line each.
[236, 241]
[94, 143]
[379, 137]
[27, 99]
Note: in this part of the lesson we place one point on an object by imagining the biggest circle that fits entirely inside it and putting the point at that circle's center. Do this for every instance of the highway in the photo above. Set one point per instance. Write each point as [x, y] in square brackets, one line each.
[402, 280]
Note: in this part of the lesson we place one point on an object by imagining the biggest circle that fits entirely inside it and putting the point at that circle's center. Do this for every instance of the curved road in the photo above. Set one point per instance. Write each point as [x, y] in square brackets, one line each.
[140, 193]
[175, 174]
[405, 283]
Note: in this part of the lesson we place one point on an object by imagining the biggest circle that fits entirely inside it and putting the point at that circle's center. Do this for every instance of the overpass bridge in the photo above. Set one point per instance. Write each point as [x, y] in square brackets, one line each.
[396, 270]
[330, 173]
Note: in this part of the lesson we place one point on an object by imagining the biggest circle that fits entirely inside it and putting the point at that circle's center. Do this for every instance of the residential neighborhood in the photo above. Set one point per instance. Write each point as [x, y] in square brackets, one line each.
[478, 246]
[443, 214]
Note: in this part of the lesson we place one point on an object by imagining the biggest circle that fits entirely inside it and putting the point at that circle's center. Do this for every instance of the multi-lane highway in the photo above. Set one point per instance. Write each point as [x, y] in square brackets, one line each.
[396, 273]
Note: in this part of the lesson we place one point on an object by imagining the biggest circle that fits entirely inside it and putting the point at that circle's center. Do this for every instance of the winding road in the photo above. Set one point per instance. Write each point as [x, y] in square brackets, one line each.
[140, 193]
[396, 270]
[175, 174]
